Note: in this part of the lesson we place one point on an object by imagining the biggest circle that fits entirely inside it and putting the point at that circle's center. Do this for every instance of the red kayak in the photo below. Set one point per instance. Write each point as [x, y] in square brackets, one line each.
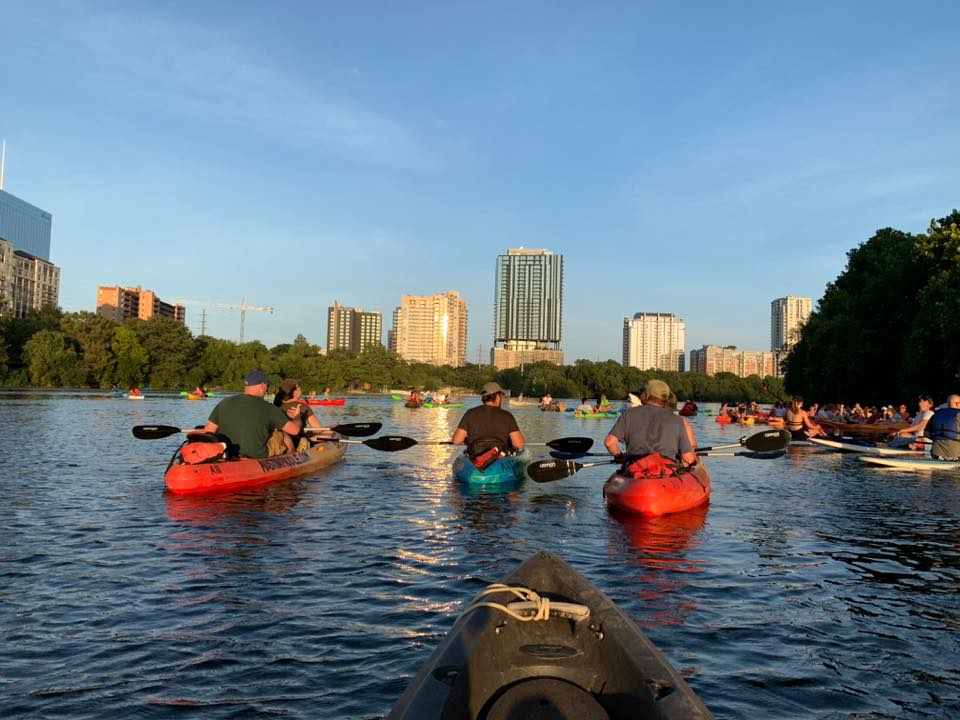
[335, 401]
[182, 479]
[655, 496]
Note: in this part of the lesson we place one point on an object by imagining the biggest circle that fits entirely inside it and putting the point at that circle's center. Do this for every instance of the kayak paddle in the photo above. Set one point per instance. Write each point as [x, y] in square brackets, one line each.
[391, 443]
[155, 432]
[761, 446]
[768, 441]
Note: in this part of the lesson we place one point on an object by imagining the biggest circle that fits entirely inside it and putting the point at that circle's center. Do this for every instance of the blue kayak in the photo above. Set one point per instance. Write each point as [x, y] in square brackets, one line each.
[505, 471]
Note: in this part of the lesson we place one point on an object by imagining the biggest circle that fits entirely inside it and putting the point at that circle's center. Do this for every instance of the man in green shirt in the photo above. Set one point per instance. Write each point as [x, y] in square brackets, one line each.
[254, 427]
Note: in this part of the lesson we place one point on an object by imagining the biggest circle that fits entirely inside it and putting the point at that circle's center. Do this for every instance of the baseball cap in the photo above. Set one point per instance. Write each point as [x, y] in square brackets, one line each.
[657, 389]
[256, 377]
[289, 385]
[491, 388]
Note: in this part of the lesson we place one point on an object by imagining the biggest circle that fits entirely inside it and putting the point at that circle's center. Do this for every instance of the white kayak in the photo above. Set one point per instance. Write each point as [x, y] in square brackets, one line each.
[858, 446]
[914, 463]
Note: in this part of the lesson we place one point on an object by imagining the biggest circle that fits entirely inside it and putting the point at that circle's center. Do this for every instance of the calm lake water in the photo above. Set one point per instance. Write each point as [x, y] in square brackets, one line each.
[809, 587]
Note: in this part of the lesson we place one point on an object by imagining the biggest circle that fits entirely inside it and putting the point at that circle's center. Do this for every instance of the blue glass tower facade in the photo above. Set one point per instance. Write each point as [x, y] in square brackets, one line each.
[25, 226]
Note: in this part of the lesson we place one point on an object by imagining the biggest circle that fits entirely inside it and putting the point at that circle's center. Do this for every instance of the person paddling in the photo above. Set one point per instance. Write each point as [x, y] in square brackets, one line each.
[489, 426]
[254, 428]
[651, 428]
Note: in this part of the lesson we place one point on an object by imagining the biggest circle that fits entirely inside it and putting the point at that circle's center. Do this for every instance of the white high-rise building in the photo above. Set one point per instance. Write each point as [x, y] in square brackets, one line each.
[654, 341]
[787, 316]
[431, 329]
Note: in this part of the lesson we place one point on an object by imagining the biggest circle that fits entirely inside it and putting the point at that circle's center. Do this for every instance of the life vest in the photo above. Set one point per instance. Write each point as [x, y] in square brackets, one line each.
[653, 465]
[944, 425]
[194, 453]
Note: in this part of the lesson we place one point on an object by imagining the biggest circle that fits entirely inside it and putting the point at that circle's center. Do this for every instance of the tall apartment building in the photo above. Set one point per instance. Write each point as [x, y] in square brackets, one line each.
[431, 329]
[25, 226]
[787, 316]
[119, 303]
[711, 359]
[27, 282]
[528, 308]
[352, 329]
[654, 341]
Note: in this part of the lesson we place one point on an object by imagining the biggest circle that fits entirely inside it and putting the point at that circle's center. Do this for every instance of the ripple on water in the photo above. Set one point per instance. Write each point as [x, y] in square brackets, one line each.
[809, 586]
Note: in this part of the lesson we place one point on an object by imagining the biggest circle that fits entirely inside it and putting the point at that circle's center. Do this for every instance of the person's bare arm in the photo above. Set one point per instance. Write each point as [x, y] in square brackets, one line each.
[516, 439]
[460, 437]
[612, 445]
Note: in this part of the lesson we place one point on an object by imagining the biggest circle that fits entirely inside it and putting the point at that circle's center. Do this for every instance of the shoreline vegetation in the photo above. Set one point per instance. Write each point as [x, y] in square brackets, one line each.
[884, 330]
[52, 349]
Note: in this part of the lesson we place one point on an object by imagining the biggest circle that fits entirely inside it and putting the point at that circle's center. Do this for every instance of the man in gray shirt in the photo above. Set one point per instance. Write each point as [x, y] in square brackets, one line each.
[651, 427]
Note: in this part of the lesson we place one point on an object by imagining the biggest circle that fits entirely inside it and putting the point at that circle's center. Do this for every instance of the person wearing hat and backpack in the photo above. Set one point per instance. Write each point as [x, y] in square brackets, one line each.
[489, 426]
[254, 427]
[651, 428]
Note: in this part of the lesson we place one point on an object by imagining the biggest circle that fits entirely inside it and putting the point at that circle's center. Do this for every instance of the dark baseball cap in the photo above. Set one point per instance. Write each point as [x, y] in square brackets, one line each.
[256, 377]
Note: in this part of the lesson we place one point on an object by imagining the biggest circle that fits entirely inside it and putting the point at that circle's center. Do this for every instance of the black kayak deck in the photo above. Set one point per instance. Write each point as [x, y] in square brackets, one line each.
[491, 666]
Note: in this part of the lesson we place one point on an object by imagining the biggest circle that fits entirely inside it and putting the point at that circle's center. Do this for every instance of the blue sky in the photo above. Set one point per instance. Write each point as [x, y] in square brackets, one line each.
[700, 159]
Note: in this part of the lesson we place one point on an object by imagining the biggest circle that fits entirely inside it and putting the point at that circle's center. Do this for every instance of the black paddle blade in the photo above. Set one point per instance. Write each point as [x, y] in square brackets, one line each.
[357, 429]
[390, 443]
[763, 455]
[544, 471]
[154, 432]
[572, 445]
[768, 441]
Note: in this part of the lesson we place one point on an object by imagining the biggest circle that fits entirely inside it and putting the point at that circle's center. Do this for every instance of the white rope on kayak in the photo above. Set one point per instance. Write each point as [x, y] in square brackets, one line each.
[530, 605]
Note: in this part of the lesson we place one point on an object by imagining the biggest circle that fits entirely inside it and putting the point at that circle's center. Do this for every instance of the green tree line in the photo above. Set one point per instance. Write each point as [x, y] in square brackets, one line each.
[886, 328]
[55, 349]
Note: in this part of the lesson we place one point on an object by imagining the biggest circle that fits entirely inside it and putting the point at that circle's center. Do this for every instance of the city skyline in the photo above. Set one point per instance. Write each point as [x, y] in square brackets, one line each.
[692, 176]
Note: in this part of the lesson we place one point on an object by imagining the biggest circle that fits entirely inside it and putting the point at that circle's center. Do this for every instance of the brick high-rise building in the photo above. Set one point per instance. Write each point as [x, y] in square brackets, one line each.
[352, 329]
[120, 303]
[712, 359]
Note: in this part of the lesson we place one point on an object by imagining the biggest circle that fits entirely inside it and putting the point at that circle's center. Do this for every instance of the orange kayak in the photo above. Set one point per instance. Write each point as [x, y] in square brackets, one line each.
[182, 479]
[651, 497]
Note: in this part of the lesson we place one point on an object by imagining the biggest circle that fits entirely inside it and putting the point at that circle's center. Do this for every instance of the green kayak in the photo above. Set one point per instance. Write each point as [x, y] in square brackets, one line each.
[434, 405]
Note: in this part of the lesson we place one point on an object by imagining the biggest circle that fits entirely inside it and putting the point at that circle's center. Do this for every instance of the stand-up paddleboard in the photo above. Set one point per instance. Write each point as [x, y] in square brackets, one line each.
[859, 446]
[914, 463]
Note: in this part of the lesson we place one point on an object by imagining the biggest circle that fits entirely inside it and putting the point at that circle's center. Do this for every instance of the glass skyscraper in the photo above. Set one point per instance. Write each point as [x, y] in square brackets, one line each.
[26, 227]
[528, 312]
[528, 308]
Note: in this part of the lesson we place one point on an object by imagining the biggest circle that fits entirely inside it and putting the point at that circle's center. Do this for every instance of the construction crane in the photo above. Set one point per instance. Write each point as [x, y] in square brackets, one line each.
[242, 307]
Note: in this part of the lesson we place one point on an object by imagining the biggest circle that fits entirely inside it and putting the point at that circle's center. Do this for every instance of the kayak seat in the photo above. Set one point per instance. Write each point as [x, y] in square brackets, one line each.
[546, 698]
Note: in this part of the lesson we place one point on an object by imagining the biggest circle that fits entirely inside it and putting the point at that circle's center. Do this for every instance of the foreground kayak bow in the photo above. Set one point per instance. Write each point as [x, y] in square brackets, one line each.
[552, 646]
